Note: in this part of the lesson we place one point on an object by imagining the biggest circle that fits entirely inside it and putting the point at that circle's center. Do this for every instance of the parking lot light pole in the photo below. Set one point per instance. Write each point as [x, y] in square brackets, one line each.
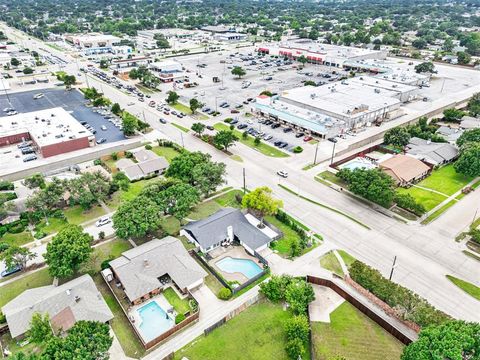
[334, 141]
[394, 265]
[316, 151]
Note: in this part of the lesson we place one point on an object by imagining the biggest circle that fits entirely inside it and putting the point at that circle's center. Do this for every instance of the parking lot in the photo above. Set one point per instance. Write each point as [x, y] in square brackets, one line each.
[71, 101]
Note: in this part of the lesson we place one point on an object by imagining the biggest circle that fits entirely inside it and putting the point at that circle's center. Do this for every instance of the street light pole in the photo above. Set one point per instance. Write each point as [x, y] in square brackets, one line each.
[244, 185]
[316, 151]
[333, 152]
[181, 136]
[393, 267]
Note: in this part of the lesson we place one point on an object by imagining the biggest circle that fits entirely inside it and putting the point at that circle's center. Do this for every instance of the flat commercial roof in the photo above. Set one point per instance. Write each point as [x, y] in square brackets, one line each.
[382, 84]
[46, 127]
[345, 99]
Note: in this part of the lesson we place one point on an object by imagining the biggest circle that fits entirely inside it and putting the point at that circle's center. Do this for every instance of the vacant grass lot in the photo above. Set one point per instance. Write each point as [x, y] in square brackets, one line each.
[354, 336]
[446, 180]
[257, 333]
[264, 148]
[469, 288]
[427, 198]
[330, 262]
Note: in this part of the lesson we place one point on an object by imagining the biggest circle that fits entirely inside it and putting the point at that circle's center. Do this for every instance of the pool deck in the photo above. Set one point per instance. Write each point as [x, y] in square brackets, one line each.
[237, 252]
[160, 300]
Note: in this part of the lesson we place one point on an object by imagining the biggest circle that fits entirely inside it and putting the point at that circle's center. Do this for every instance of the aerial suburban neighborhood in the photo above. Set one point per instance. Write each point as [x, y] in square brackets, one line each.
[253, 180]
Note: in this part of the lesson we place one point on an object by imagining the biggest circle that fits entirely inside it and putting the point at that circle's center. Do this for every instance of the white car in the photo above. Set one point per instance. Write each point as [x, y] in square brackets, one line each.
[103, 127]
[103, 221]
[38, 96]
[282, 173]
[130, 104]
[13, 112]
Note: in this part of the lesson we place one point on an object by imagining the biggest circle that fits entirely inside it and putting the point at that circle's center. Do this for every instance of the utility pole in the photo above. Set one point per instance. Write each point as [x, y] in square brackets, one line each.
[181, 136]
[316, 151]
[393, 267]
[244, 185]
[333, 150]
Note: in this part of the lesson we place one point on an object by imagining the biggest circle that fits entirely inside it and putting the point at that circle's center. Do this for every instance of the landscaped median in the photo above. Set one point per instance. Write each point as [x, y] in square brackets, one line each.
[263, 148]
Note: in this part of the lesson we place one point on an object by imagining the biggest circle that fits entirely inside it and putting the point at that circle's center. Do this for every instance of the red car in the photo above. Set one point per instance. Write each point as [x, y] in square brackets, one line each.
[307, 138]
[234, 111]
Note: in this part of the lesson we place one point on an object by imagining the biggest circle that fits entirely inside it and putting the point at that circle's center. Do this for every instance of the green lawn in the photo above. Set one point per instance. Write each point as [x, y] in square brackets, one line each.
[167, 152]
[445, 180]
[109, 250]
[264, 148]
[15, 288]
[204, 210]
[129, 341]
[182, 128]
[330, 262]
[427, 198]
[135, 189]
[256, 333]
[283, 245]
[182, 108]
[469, 288]
[181, 306]
[17, 239]
[228, 199]
[347, 258]
[54, 225]
[438, 212]
[329, 176]
[76, 215]
[354, 336]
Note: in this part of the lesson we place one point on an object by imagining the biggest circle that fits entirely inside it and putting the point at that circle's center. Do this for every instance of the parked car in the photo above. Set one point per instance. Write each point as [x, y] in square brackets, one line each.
[210, 127]
[30, 157]
[103, 127]
[38, 96]
[299, 135]
[275, 125]
[242, 126]
[103, 221]
[101, 141]
[307, 138]
[282, 173]
[234, 111]
[11, 271]
[162, 121]
[27, 150]
[287, 130]
[267, 137]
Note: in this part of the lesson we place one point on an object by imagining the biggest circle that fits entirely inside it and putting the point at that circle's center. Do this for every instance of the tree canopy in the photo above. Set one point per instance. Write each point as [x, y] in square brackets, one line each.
[224, 139]
[239, 71]
[136, 218]
[261, 201]
[469, 161]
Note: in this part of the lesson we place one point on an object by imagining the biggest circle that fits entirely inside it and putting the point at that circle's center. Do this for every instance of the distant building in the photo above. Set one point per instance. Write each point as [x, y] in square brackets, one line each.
[66, 304]
[469, 123]
[431, 152]
[92, 41]
[168, 70]
[125, 65]
[52, 131]
[450, 134]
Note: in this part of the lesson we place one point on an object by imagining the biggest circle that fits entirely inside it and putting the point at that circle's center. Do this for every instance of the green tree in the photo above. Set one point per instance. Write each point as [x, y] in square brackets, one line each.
[129, 123]
[224, 139]
[195, 104]
[302, 60]
[453, 114]
[262, 202]
[182, 166]
[136, 218]
[297, 327]
[425, 67]
[373, 184]
[469, 136]
[463, 57]
[70, 248]
[161, 41]
[274, 289]
[452, 340]
[310, 83]
[14, 256]
[103, 64]
[86, 340]
[298, 295]
[178, 200]
[69, 80]
[469, 161]
[35, 181]
[397, 136]
[21, 356]
[45, 200]
[448, 45]
[15, 62]
[256, 141]
[473, 105]
[239, 71]
[28, 70]
[198, 128]
[121, 180]
[116, 109]
[172, 97]
[419, 43]
[208, 176]
[40, 330]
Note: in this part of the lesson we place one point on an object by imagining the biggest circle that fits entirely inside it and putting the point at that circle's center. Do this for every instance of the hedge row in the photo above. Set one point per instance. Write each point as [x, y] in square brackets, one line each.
[408, 305]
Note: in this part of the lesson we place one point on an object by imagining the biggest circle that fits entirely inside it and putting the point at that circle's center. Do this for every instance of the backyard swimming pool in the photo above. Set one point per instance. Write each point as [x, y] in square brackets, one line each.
[155, 321]
[247, 267]
[358, 163]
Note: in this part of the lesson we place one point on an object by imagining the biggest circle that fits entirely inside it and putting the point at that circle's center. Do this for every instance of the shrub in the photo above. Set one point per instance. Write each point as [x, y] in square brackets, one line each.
[114, 156]
[228, 120]
[105, 263]
[409, 306]
[299, 294]
[3, 319]
[128, 155]
[295, 349]
[148, 147]
[238, 198]
[101, 235]
[297, 327]
[6, 185]
[274, 289]
[193, 305]
[407, 202]
[225, 293]
[97, 162]
[475, 234]
[256, 141]
[179, 318]
[297, 149]
[39, 234]
[16, 228]
[245, 135]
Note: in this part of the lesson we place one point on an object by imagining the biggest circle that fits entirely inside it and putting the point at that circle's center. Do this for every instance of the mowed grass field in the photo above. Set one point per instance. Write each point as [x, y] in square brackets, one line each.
[428, 199]
[354, 336]
[256, 333]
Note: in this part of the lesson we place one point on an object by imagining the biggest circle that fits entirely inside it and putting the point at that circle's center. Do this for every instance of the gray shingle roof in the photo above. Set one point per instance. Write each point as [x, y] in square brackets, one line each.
[213, 229]
[140, 268]
[54, 299]
[437, 152]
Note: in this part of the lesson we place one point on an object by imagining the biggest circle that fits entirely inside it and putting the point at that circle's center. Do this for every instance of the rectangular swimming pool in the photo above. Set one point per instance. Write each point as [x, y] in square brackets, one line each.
[155, 321]
[247, 267]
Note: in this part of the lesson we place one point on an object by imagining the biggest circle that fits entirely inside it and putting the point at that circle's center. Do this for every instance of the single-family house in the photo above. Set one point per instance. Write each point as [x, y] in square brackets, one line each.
[404, 169]
[66, 304]
[225, 226]
[147, 164]
[451, 134]
[431, 152]
[140, 270]
[469, 123]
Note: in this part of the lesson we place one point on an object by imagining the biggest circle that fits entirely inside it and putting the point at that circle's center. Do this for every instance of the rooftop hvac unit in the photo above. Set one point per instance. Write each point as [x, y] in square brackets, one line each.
[377, 91]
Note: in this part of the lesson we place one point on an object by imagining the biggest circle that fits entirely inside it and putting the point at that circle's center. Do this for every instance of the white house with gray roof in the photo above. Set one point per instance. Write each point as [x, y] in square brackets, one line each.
[431, 152]
[139, 269]
[227, 225]
[66, 304]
